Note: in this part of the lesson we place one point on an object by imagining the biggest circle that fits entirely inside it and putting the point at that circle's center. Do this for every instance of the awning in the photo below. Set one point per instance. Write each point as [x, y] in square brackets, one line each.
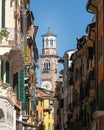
[14, 55]
[16, 58]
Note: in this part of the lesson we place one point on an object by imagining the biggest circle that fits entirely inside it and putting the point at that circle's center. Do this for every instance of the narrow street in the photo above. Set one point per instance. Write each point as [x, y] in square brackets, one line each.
[66, 98]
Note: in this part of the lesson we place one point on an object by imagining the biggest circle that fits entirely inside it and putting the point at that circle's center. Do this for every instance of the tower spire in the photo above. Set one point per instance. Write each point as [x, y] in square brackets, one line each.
[48, 29]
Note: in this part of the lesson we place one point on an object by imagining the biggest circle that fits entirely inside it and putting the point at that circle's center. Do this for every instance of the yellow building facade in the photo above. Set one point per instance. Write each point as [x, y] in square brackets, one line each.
[48, 114]
[45, 109]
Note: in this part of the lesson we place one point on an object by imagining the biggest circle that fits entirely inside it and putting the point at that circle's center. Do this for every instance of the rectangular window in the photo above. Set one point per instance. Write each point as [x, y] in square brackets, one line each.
[49, 128]
[49, 115]
[2, 70]
[3, 13]
[15, 82]
[41, 103]
[7, 72]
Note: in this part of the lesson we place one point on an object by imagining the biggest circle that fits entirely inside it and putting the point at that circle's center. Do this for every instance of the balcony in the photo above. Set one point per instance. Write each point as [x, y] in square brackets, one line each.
[45, 71]
[12, 36]
[13, 51]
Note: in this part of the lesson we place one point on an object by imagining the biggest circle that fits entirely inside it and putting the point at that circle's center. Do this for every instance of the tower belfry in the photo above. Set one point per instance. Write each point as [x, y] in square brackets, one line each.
[48, 61]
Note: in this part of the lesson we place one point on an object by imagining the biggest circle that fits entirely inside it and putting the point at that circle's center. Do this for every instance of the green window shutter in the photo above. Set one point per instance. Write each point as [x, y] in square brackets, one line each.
[21, 88]
[36, 100]
[18, 86]
[7, 73]
[2, 69]
[3, 13]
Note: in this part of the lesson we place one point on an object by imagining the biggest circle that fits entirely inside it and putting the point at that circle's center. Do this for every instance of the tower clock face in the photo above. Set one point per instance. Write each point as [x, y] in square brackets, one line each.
[47, 85]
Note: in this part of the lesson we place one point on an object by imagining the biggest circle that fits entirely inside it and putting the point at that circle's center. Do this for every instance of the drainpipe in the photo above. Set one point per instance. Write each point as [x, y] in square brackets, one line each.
[15, 40]
[96, 55]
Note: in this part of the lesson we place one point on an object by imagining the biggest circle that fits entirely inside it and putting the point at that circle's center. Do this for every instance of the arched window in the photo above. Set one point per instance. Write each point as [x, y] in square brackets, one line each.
[47, 65]
[51, 42]
[47, 42]
[1, 115]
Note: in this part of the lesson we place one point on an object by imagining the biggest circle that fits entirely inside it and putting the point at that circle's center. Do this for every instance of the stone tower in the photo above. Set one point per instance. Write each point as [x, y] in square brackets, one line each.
[48, 61]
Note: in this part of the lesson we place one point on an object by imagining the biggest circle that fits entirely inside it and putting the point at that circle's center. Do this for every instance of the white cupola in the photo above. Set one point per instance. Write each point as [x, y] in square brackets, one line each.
[49, 43]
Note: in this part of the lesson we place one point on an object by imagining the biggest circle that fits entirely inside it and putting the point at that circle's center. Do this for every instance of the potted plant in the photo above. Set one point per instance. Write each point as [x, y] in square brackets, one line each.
[4, 33]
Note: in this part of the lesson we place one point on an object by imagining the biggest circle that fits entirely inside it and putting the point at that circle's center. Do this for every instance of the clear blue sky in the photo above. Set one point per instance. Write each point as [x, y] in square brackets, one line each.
[67, 19]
